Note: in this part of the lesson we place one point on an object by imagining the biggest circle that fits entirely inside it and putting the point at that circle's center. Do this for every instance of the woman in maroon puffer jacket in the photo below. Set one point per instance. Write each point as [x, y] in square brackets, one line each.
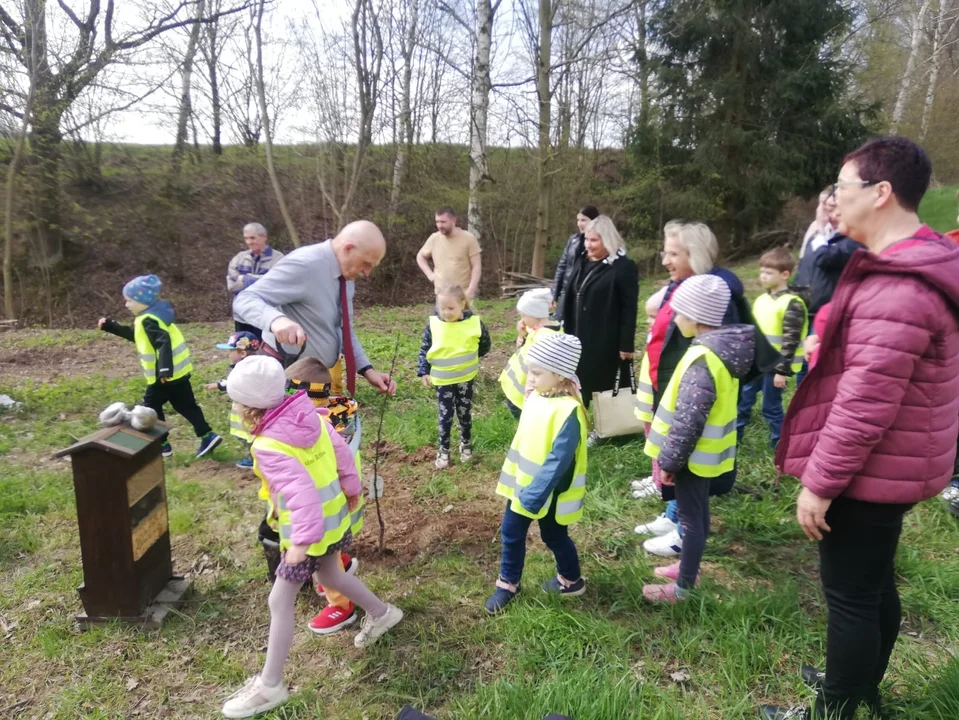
[872, 430]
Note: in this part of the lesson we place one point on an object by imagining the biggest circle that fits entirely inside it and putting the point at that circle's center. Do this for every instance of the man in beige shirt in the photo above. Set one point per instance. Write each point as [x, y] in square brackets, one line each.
[455, 254]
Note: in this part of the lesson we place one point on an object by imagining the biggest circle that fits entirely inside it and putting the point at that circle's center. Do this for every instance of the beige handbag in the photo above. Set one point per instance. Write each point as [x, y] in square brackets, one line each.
[613, 410]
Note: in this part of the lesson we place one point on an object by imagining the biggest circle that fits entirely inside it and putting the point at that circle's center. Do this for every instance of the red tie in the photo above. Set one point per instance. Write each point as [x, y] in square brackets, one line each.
[347, 339]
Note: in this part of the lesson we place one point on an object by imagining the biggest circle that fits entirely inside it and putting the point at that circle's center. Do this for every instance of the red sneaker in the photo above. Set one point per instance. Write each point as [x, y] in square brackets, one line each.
[332, 619]
[350, 564]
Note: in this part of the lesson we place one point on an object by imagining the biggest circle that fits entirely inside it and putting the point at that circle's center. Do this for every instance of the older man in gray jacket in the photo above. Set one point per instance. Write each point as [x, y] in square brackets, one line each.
[250, 265]
[307, 301]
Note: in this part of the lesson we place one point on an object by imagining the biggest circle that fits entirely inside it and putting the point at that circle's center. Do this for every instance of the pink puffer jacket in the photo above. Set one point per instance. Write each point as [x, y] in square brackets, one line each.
[877, 418]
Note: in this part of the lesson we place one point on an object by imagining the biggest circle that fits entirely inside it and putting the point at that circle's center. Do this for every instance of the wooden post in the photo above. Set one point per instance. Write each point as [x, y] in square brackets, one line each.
[122, 515]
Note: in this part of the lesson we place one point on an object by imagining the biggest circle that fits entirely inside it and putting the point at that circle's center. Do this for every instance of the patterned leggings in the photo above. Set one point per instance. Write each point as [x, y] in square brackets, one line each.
[456, 398]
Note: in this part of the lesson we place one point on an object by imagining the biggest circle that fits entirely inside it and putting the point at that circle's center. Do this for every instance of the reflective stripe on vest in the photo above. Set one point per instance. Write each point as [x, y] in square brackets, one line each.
[513, 377]
[454, 354]
[182, 363]
[320, 463]
[715, 451]
[643, 407]
[237, 427]
[769, 313]
[540, 423]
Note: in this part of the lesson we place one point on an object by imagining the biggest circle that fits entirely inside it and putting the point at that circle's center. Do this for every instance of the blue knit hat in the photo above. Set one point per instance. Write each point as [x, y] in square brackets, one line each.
[143, 289]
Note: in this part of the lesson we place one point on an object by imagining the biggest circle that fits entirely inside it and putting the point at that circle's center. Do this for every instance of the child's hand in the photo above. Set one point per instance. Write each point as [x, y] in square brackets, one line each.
[667, 478]
[779, 381]
[295, 555]
[810, 343]
[164, 379]
[101, 322]
[426, 381]
[521, 328]
[211, 386]
[352, 502]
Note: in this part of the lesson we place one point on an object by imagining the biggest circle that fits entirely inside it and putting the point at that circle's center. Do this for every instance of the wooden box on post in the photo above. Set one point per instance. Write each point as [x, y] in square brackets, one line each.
[124, 531]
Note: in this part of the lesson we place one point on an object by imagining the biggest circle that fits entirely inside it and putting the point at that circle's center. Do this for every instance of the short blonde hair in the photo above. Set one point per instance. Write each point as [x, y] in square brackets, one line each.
[606, 229]
[699, 242]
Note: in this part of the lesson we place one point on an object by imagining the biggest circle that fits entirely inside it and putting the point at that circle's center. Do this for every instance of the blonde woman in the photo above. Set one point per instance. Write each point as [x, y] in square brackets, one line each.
[688, 249]
[600, 306]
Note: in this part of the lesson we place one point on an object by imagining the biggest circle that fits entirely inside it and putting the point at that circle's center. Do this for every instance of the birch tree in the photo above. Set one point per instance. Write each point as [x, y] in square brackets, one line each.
[907, 81]
[186, 81]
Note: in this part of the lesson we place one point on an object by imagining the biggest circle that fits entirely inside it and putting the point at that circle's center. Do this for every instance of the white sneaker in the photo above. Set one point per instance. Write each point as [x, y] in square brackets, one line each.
[667, 546]
[466, 453]
[442, 460]
[254, 698]
[644, 488]
[662, 525]
[950, 493]
[371, 628]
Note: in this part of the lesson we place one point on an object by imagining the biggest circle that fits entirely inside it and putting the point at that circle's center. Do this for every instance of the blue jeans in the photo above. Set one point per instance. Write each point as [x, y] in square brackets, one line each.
[804, 370]
[772, 406]
[557, 539]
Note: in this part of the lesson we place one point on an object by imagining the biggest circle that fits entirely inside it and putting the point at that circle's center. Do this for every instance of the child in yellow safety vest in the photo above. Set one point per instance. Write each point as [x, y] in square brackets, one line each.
[534, 324]
[453, 342]
[239, 345]
[164, 357]
[643, 409]
[313, 377]
[693, 434]
[782, 317]
[314, 489]
[544, 475]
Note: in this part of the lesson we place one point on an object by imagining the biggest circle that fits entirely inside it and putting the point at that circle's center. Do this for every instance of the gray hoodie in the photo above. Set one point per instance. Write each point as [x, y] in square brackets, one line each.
[735, 345]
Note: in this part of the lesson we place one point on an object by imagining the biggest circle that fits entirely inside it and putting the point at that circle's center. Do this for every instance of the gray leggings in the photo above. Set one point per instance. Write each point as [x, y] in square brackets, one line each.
[692, 498]
[283, 598]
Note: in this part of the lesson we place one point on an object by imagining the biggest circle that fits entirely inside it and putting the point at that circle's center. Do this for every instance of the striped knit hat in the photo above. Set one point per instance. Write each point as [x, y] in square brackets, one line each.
[703, 299]
[557, 353]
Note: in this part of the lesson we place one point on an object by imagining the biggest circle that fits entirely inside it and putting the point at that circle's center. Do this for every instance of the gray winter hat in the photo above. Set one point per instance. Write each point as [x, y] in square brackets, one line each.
[703, 299]
[558, 353]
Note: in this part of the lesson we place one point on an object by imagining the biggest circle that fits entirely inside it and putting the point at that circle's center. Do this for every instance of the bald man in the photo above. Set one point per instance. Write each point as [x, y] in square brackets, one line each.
[299, 301]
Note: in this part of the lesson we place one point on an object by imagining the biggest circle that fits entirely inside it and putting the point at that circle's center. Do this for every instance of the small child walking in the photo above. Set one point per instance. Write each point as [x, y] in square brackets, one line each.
[313, 377]
[782, 317]
[314, 491]
[164, 357]
[693, 434]
[453, 342]
[534, 324]
[544, 475]
[239, 345]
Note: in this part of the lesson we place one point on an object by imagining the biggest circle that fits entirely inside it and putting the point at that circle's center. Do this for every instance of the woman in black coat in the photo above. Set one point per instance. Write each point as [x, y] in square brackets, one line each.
[572, 251]
[600, 306]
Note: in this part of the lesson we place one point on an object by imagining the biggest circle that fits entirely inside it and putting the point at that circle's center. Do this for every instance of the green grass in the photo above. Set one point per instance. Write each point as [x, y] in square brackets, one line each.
[938, 208]
[604, 656]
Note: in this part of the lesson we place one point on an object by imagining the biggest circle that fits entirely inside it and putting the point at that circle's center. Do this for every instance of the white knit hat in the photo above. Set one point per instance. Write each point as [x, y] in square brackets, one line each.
[704, 299]
[535, 303]
[557, 353]
[257, 381]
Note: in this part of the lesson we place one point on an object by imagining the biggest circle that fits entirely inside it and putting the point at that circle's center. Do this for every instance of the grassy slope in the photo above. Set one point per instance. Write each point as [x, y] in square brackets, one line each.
[938, 208]
[605, 656]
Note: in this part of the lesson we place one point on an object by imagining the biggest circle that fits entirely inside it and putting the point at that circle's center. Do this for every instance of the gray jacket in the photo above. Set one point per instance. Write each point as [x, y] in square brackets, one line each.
[735, 345]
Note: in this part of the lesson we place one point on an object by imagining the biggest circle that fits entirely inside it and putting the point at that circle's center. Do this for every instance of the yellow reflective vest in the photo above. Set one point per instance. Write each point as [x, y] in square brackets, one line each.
[513, 377]
[643, 409]
[769, 313]
[356, 517]
[320, 462]
[540, 423]
[454, 354]
[237, 427]
[715, 452]
[182, 364]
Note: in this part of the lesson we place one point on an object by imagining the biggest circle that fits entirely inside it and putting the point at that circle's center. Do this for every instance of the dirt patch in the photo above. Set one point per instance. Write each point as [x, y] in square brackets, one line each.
[45, 364]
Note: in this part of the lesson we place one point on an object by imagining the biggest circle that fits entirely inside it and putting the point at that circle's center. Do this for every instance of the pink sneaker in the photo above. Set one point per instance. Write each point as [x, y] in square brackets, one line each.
[671, 572]
[661, 593]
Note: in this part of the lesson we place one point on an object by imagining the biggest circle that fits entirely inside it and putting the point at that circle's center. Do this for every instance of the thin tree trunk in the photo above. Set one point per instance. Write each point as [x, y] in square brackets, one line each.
[267, 130]
[479, 111]
[406, 116]
[213, 61]
[905, 85]
[543, 179]
[186, 79]
[9, 310]
[936, 61]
